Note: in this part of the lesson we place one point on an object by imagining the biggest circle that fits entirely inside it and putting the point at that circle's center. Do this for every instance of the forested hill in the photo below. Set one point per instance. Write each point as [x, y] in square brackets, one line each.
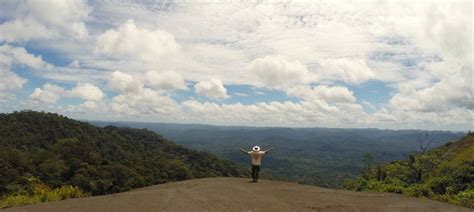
[317, 156]
[445, 173]
[40, 152]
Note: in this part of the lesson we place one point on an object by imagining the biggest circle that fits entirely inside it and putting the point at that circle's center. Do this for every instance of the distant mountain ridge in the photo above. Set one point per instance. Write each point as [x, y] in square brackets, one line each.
[49, 150]
[318, 156]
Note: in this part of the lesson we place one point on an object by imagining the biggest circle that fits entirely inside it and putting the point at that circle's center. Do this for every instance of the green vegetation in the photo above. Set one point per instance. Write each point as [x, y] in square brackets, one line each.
[445, 173]
[45, 157]
[317, 156]
[34, 191]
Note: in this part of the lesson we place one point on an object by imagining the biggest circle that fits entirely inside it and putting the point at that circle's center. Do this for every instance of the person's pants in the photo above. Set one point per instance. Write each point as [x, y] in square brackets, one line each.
[255, 171]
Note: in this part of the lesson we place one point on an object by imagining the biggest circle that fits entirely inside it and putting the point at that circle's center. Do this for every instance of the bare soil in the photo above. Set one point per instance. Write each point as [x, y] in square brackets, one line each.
[239, 194]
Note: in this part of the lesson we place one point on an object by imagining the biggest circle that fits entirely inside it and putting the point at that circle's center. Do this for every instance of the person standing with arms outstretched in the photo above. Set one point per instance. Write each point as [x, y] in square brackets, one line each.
[256, 156]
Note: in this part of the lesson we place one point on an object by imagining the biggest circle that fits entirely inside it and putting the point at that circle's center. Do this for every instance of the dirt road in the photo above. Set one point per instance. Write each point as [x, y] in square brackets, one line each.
[238, 194]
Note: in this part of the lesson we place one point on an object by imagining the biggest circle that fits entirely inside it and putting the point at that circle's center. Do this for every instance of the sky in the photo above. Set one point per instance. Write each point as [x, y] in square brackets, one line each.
[370, 63]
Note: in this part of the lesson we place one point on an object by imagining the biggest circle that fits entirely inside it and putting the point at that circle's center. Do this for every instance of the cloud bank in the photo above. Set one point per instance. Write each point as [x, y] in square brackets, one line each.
[389, 64]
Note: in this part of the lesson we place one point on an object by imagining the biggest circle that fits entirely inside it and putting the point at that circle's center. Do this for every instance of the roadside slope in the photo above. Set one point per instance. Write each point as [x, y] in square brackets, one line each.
[445, 173]
[237, 194]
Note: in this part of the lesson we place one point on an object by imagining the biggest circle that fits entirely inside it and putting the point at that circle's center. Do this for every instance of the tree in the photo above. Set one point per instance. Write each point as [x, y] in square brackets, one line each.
[424, 143]
[367, 160]
[415, 170]
[63, 152]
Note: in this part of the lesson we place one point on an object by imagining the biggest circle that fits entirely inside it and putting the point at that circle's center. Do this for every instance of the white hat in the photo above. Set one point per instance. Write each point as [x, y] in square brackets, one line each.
[256, 148]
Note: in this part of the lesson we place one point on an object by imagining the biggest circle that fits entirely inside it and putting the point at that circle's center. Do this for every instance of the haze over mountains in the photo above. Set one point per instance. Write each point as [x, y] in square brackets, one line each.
[318, 156]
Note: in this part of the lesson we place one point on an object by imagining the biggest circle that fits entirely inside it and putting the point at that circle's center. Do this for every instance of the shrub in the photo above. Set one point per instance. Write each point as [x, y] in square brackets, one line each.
[41, 193]
[418, 190]
[466, 198]
[439, 184]
[11, 201]
[392, 188]
[358, 184]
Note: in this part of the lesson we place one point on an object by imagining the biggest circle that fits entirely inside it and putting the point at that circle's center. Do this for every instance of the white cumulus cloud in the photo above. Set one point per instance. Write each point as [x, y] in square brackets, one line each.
[135, 42]
[168, 80]
[10, 81]
[49, 94]
[452, 92]
[346, 70]
[44, 19]
[277, 72]
[86, 91]
[147, 102]
[312, 113]
[213, 89]
[18, 55]
[125, 83]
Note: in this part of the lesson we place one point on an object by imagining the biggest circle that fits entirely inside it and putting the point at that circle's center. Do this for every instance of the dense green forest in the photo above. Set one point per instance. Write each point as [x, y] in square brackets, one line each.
[45, 156]
[317, 156]
[445, 173]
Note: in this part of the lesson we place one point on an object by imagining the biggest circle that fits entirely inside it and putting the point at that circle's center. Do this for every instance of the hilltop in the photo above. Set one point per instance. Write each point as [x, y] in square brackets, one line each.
[237, 194]
[46, 157]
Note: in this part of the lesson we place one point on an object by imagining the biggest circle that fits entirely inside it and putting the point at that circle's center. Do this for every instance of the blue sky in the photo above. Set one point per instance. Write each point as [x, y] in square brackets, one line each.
[384, 64]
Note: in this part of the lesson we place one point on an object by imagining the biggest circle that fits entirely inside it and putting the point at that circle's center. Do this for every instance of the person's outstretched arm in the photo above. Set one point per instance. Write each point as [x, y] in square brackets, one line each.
[242, 150]
[268, 150]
